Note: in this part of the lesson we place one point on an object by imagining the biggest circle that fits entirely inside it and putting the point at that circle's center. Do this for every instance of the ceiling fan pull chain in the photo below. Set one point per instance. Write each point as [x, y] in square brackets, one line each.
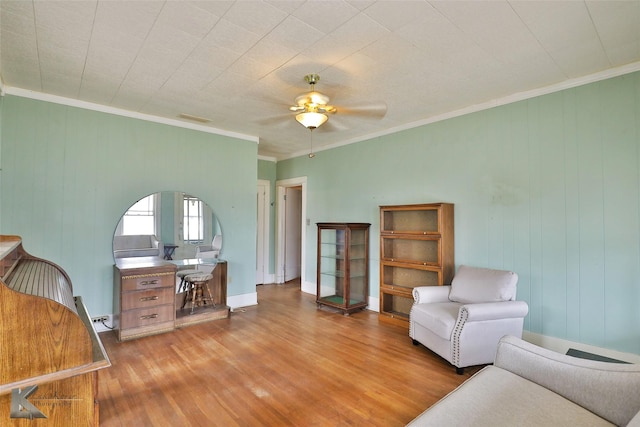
[311, 155]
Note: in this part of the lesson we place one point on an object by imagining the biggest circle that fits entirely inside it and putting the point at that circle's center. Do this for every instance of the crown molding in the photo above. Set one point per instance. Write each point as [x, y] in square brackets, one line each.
[24, 93]
[268, 158]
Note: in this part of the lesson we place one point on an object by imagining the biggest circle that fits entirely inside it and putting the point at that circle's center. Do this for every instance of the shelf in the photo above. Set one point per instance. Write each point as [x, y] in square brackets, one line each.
[339, 300]
[340, 257]
[398, 314]
[394, 304]
[409, 277]
[338, 274]
[416, 249]
[410, 219]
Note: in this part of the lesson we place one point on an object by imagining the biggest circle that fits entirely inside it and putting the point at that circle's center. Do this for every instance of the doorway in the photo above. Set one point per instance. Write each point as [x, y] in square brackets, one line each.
[262, 236]
[291, 231]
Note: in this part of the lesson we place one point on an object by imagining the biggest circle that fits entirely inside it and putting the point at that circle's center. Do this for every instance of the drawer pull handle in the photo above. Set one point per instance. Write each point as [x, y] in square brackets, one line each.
[153, 298]
[149, 316]
[149, 282]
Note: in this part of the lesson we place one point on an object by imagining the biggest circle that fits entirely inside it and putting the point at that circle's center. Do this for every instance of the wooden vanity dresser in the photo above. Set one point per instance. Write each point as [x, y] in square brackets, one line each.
[144, 297]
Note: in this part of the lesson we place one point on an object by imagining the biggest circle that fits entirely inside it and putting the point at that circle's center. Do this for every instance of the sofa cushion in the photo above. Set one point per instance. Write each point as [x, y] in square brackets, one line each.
[136, 241]
[495, 397]
[439, 318]
[136, 245]
[474, 285]
[128, 253]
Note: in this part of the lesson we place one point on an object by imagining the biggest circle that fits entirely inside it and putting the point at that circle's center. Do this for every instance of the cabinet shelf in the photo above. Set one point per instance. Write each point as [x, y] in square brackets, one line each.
[416, 249]
[341, 274]
[343, 266]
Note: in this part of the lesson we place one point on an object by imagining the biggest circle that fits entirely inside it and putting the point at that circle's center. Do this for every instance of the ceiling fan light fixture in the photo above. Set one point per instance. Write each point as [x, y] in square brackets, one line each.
[311, 120]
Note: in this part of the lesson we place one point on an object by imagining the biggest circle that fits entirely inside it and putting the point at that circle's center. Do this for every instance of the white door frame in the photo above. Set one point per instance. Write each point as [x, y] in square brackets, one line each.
[281, 186]
[262, 238]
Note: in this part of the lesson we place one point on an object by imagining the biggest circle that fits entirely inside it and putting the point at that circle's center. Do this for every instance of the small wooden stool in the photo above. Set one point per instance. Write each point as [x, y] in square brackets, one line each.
[198, 290]
[182, 274]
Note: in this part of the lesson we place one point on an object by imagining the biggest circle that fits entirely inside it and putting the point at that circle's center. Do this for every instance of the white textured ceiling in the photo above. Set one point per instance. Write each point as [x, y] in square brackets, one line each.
[240, 64]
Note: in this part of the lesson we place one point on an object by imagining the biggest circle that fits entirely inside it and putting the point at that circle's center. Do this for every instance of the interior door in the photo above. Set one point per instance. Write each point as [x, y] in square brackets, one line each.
[293, 237]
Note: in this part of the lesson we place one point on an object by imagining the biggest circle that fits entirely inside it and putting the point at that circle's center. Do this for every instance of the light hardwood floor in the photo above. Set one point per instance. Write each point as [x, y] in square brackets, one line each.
[283, 362]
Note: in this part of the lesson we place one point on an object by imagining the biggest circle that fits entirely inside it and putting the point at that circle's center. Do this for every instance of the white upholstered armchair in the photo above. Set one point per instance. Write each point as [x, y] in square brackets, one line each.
[463, 322]
[212, 250]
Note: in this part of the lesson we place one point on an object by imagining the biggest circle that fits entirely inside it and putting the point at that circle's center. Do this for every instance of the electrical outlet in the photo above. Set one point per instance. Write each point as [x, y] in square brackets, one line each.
[100, 319]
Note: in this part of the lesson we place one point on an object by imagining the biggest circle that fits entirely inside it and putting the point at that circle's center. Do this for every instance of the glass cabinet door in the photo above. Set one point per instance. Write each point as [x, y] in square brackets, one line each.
[358, 267]
[332, 265]
[343, 265]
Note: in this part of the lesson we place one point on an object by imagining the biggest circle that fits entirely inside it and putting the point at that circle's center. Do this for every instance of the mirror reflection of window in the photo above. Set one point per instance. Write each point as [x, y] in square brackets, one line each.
[140, 218]
[193, 220]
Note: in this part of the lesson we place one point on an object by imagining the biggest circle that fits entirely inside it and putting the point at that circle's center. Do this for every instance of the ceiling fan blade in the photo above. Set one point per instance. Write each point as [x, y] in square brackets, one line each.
[277, 120]
[375, 110]
[333, 125]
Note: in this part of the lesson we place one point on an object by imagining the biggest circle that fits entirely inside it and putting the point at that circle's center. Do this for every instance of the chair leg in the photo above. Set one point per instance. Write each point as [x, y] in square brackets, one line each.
[187, 295]
[459, 371]
[210, 296]
[196, 288]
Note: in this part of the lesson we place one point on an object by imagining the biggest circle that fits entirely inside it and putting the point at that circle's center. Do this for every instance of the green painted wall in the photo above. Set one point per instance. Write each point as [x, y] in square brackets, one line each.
[548, 187]
[68, 174]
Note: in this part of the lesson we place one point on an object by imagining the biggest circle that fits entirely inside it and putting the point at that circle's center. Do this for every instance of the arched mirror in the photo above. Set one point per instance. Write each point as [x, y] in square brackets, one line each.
[168, 225]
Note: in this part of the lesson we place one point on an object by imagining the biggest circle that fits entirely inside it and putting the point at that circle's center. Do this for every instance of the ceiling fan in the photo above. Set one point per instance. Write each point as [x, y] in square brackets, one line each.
[313, 107]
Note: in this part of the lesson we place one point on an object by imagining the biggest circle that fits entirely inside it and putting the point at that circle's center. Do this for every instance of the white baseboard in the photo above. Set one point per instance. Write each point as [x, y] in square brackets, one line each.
[243, 300]
[308, 287]
[374, 304]
[561, 346]
[269, 279]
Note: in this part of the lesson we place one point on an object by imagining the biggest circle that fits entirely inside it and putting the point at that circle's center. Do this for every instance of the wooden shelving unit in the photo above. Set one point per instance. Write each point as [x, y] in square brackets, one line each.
[416, 249]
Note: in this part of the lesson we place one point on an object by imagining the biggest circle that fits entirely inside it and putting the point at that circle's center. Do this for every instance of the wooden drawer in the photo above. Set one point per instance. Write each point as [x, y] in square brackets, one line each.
[147, 298]
[147, 316]
[137, 282]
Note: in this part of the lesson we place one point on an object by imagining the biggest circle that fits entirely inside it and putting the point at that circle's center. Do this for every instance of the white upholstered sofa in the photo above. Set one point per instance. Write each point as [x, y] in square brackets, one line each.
[531, 386]
[463, 322]
[137, 245]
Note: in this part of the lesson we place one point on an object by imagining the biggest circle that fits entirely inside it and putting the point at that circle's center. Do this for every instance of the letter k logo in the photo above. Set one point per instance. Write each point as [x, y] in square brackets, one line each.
[21, 407]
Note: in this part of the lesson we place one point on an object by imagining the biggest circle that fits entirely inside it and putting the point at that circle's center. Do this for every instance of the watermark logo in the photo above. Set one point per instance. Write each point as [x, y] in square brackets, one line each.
[21, 407]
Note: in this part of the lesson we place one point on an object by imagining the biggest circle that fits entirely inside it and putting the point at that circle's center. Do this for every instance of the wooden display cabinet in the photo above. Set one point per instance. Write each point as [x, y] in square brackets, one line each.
[416, 249]
[343, 266]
